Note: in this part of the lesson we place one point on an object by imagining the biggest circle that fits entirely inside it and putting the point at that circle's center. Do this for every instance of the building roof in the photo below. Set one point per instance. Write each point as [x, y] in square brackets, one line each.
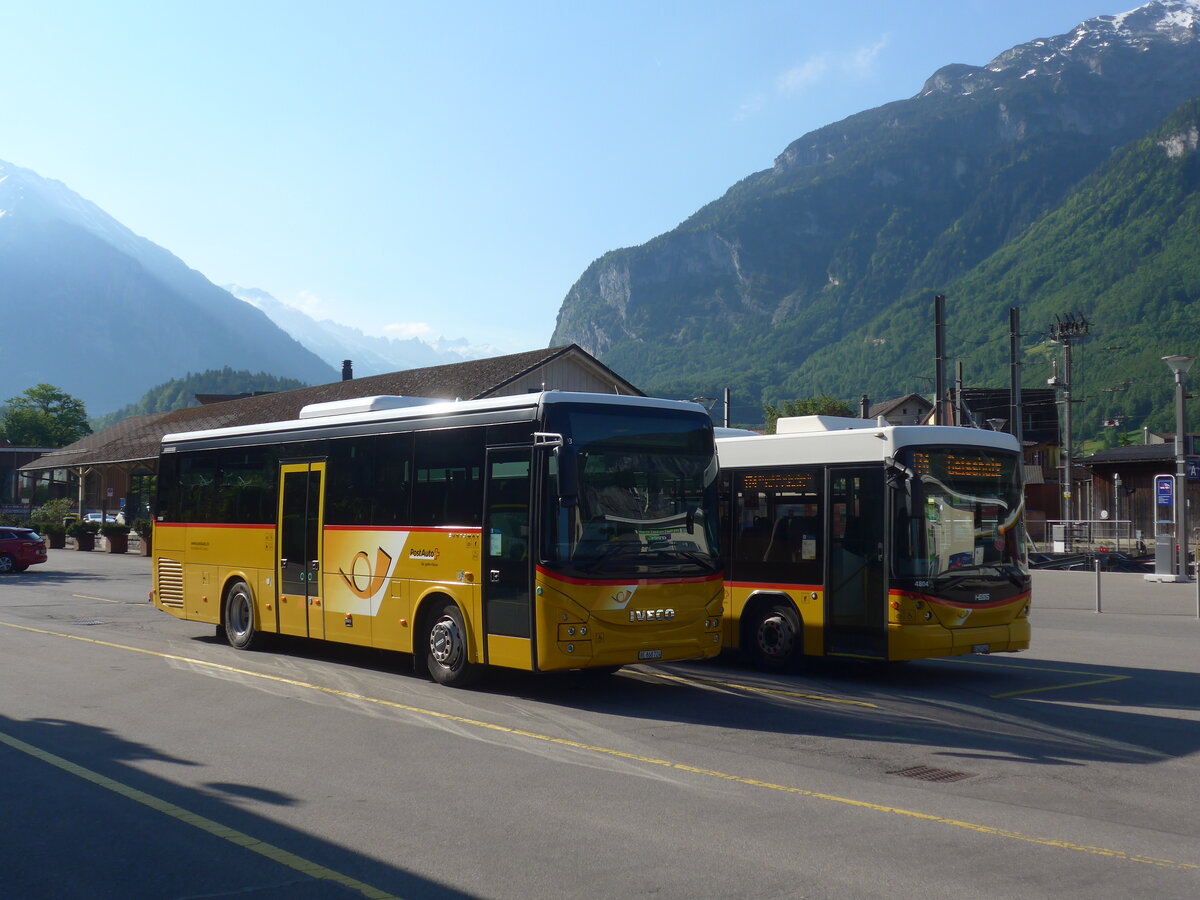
[888, 406]
[137, 439]
[1132, 453]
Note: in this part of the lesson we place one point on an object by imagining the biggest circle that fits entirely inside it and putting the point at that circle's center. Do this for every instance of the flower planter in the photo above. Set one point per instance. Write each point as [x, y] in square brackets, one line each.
[56, 541]
[118, 543]
[85, 542]
[144, 546]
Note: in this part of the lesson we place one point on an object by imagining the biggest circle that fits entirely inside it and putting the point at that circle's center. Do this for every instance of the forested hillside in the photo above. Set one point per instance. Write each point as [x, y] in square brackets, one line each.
[180, 393]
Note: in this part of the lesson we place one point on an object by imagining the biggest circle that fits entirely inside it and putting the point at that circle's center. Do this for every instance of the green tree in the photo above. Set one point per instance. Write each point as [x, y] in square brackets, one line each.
[813, 406]
[45, 416]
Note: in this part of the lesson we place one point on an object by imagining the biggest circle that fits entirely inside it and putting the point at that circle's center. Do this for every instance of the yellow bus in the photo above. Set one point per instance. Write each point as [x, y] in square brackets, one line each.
[847, 537]
[542, 532]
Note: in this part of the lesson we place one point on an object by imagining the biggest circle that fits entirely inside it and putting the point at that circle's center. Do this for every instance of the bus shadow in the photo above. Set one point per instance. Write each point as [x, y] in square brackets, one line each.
[1062, 715]
[82, 820]
[1022, 710]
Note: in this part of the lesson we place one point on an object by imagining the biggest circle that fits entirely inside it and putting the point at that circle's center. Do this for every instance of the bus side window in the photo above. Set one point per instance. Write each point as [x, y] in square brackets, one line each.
[448, 483]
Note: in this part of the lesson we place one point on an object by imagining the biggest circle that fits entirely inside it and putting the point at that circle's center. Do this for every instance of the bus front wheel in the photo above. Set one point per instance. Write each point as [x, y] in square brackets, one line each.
[773, 636]
[239, 621]
[447, 654]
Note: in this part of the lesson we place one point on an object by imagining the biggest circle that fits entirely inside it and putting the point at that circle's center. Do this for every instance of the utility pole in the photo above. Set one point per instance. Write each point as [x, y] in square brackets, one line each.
[1014, 354]
[960, 412]
[1064, 332]
[939, 359]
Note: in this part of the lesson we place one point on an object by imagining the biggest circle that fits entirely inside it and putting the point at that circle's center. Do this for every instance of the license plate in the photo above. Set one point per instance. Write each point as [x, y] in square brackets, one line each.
[649, 654]
[981, 648]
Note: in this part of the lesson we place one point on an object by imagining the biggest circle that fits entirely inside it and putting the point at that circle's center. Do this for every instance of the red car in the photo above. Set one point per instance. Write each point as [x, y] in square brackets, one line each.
[20, 548]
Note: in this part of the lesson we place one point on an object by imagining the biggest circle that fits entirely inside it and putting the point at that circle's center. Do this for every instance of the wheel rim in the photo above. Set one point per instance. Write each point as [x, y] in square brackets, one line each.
[6, 564]
[776, 636]
[238, 618]
[445, 642]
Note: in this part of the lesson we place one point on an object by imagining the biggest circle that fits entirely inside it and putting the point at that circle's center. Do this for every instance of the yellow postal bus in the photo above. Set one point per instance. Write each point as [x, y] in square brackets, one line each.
[846, 537]
[542, 532]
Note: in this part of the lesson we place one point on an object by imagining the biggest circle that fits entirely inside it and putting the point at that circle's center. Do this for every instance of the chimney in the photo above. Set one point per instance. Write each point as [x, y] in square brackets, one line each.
[347, 370]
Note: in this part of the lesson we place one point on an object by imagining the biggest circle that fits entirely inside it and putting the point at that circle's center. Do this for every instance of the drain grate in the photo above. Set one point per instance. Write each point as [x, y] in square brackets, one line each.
[929, 773]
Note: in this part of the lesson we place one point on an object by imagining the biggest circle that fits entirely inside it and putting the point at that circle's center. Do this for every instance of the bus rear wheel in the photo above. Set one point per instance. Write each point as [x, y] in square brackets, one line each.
[239, 623]
[447, 654]
[774, 637]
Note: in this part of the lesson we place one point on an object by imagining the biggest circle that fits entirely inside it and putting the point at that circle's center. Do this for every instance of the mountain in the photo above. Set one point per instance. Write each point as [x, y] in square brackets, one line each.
[102, 313]
[856, 226]
[371, 355]
[1121, 247]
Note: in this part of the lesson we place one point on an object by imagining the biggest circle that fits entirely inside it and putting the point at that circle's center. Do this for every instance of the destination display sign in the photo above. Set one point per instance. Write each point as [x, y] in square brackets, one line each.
[797, 480]
[957, 465]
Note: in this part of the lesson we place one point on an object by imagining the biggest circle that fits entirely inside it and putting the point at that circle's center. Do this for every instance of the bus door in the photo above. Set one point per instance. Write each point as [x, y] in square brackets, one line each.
[856, 597]
[508, 558]
[301, 511]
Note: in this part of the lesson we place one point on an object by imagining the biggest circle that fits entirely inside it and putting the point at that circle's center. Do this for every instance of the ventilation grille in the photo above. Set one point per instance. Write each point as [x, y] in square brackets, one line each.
[928, 773]
[170, 583]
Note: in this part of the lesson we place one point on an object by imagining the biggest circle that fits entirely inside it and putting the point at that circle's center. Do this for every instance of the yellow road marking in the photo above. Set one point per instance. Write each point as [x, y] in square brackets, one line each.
[753, 689]
[216, 829]
[1103, 679]
[101, 599]
[1062, 687]
[647, 760]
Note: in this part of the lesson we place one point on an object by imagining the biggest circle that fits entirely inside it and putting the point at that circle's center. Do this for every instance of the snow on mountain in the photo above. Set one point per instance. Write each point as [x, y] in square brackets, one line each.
[334, 342]
[1101, 46]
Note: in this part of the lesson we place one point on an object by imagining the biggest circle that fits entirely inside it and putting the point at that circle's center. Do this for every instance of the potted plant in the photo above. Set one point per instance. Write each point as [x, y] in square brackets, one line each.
[55, 534]
[48, 520]
[117, 536]
[145, 531]
[84, 534]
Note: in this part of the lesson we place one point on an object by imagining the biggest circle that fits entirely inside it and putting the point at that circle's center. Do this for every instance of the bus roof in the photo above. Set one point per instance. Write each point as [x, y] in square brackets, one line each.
[365, 410]
[835, 439]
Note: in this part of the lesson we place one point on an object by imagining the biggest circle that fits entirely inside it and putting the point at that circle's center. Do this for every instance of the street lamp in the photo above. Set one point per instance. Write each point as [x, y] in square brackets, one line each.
[1179, 366]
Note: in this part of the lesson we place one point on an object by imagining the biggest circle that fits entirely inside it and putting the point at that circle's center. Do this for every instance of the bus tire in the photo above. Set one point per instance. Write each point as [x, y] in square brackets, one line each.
[772, 638]
[446, 651]
[238, 620]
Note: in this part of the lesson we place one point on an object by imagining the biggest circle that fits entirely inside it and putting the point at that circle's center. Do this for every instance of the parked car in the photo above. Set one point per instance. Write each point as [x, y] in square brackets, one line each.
[20, 548]
[102, 518]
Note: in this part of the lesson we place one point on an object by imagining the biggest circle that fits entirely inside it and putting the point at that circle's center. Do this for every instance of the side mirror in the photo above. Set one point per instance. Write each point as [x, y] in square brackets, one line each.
[568, 475]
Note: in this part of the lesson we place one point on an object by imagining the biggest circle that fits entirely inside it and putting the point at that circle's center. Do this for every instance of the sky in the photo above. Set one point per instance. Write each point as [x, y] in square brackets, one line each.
[451, 169]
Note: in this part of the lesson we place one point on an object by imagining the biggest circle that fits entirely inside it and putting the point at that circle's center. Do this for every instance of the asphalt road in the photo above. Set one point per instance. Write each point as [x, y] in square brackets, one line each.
[140, 757]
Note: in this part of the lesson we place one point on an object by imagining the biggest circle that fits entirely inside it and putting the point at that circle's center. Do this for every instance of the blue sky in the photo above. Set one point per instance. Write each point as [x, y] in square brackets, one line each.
[451, 169]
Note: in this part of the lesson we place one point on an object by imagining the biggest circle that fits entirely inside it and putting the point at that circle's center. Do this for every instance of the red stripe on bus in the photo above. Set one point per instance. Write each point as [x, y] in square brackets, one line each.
[421, 529]
[601, 582]
[762, 585]
[208, 525]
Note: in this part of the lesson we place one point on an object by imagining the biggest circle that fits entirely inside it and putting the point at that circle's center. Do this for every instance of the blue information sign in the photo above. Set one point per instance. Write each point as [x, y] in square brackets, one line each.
[1164, 490]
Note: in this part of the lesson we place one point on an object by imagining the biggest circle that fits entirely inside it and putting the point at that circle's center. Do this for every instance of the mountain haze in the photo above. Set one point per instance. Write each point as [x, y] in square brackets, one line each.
[787, 285]
[334, 342]
[104, 314]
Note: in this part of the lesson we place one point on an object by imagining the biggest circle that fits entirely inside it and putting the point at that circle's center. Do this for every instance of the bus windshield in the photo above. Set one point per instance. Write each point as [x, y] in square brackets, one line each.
[642, 494]
[958, 513]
